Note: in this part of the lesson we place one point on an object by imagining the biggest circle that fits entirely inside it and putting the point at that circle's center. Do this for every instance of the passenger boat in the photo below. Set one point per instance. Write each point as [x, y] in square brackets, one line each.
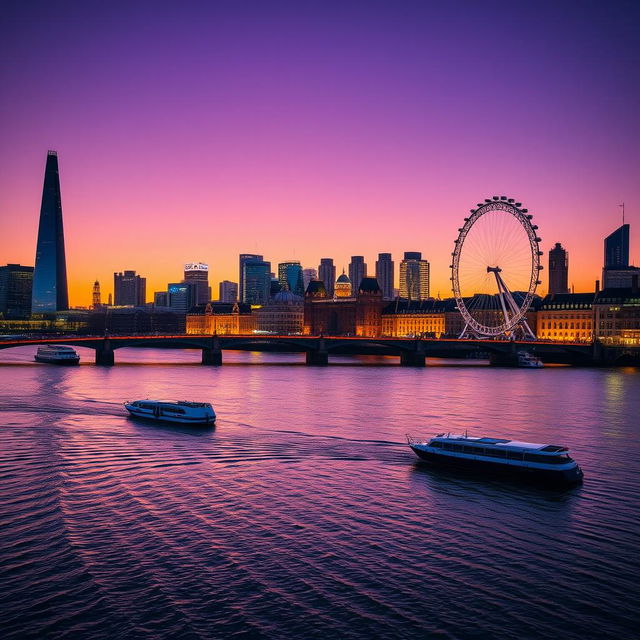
[529, 361]
[57, 354]
[182, 412]
[544, 463]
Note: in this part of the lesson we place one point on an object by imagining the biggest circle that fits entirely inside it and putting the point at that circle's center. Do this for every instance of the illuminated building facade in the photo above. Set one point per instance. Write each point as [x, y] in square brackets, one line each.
[96, 298]
[182, 296]
[566, 317]
[407, 318]
[342, 288]
[359, 315]
[221, 318]
[414, 276]
[244, 258]
[617, 315]
[49, 291]
[327, 273]
[129, 289]
[16, 284]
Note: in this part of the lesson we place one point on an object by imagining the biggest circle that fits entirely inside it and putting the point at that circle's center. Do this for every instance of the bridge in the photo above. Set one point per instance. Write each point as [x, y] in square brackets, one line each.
[411, 351]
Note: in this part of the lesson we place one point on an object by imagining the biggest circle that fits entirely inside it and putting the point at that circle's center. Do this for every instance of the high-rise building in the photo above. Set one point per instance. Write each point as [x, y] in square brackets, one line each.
[256, 282]
[245, 257]
[290, 277]
[161, 299]
[357, 271]
[558, 270]
[197, 273]
[15, 291]
[129, 289]
[385, 275]
[616, 248]
[96, 298]
[182, 296]
[327, 273]
[228, 291]
[307, 276]
[49, 292]
[414, 276]
[616, 272]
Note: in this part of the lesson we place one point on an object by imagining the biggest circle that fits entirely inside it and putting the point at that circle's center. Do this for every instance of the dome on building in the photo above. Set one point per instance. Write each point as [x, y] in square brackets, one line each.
[316, 289]
[369, 285]
[344, 278]
[287, 297]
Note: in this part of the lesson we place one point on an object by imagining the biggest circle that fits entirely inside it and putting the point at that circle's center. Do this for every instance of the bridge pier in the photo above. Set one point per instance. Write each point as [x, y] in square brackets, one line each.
[212, 357]
[318, 358]
[412, 359]
[104, 355]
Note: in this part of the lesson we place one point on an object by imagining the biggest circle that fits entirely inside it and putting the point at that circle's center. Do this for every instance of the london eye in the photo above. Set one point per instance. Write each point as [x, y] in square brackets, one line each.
[496, 268]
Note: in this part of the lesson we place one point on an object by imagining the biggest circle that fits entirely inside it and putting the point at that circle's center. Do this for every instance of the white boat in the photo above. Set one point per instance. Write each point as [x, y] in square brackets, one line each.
[182, 412]
[529, 361]
[57, 354]
[542, 463]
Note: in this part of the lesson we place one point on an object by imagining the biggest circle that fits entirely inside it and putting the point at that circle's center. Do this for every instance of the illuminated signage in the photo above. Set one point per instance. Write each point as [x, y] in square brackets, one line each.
[196, 266]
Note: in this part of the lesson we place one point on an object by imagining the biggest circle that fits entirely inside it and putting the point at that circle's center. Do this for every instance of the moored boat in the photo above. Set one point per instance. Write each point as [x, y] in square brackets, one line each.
[182, 412]
[543, 463]
[57, 354]
[527, 360]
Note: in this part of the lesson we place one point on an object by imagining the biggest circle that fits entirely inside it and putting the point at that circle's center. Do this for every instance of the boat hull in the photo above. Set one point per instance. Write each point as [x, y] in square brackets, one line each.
[59, 361]
[562, 478]
[145, 415]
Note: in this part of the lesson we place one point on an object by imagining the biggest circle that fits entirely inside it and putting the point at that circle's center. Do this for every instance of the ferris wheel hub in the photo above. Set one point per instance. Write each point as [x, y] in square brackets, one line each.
[494, 269]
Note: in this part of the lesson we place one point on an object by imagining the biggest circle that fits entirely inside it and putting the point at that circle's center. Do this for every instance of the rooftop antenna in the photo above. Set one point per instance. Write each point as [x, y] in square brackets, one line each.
[622, 205]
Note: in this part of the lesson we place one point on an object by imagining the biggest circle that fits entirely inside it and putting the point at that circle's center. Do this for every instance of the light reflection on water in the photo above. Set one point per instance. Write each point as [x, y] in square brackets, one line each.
[303, 513]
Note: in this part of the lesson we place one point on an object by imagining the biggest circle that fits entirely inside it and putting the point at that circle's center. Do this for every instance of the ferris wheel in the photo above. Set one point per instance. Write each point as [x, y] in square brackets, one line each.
[496, 268]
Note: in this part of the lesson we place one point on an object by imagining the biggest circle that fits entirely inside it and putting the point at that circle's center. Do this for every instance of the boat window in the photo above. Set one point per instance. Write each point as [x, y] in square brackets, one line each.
[495, 453]
[514, 455]
[437, 445]
[475, 450]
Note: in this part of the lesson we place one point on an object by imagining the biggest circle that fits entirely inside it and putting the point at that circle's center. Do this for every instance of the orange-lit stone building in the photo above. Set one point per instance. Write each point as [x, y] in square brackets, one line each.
[221, 318]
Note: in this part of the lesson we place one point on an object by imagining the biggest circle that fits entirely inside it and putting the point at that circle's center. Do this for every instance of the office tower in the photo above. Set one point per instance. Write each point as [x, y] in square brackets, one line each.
[558, 270]
[617, 273]
[161, 299]
[256, 281]
[357, 271]
[342, 287]
[110, 298]
[616, 248]
[96, 298]
[197, 273]
[307, 276]
[290, 277]
[228, 291]
[16, 284]
[129, 289]
[275, 287]
[245, 257]
[414, 276]
[49, 292]
[327, 273]
[181, 296]
[385, 275]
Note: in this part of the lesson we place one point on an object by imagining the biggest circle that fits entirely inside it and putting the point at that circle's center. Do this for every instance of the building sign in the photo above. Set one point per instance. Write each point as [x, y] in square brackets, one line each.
[196, 266]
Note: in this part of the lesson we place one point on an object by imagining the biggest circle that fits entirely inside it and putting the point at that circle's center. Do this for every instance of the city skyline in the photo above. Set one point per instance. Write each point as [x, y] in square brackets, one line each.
[323, 152]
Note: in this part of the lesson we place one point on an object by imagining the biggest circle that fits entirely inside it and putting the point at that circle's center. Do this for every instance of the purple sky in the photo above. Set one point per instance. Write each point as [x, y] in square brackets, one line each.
[196, 131]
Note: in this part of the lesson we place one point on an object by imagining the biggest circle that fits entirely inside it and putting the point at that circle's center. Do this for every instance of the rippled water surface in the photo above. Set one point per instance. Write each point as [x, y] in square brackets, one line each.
[303, 514]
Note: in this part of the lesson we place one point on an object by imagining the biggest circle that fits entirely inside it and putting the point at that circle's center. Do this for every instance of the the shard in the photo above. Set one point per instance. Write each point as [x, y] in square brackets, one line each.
[50, 275]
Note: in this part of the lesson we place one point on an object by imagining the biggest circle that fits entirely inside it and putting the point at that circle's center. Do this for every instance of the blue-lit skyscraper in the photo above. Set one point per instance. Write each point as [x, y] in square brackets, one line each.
[256, 282]
[50, 274]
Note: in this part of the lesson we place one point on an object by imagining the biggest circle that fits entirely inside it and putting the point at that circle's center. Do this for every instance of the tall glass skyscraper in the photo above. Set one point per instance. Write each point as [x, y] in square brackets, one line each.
[50, 292]
[290, 277]
[616, 248]
[385, 275]
[327, 273]
[414, 276]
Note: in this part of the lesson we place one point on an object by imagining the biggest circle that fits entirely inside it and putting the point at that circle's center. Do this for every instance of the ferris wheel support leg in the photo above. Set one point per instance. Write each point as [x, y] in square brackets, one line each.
[526, 329]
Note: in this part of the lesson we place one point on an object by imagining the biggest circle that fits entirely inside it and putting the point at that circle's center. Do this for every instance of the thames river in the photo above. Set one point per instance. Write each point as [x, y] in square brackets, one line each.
[304, 514]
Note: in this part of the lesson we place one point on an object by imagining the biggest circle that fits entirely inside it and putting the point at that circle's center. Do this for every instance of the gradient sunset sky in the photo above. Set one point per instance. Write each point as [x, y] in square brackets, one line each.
[197, 131]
